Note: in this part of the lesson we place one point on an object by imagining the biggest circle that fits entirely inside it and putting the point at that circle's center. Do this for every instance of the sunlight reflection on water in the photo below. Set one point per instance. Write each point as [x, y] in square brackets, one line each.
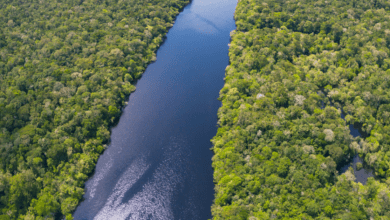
[153, 201]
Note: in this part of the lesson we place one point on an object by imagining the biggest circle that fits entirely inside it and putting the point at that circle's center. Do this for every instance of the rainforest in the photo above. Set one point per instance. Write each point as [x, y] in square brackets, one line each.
[66, 67]
[295, 67]
[300, 74]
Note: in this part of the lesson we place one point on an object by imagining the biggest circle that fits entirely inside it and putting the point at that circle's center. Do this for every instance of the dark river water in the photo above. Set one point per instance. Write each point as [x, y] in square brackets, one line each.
[158, 164]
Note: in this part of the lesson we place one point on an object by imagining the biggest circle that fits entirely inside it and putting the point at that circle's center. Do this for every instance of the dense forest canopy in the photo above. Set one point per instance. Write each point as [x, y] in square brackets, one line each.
[278, 151]
[66, 68]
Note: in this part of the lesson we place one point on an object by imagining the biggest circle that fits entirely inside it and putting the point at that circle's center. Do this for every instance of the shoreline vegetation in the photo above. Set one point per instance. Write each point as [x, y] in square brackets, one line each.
[66, 70]
[277, 152]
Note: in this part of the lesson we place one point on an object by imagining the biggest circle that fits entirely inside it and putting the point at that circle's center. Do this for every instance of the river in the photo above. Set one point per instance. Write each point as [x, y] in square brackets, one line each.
[158, 164]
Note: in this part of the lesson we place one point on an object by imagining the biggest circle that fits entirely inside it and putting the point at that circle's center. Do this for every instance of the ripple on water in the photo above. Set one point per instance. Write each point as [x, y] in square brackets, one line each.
[153, 200]
[99, 176]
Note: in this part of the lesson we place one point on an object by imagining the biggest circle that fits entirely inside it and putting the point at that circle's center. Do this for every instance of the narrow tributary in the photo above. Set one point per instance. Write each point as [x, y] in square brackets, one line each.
[361, 173]
[158, 164]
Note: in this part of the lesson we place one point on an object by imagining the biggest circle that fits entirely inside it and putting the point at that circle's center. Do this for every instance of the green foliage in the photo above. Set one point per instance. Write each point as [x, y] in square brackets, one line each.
[66, 68]
[278, 151]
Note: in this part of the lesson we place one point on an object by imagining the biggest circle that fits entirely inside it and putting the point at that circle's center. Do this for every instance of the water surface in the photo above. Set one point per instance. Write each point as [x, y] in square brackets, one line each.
[158, 164]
